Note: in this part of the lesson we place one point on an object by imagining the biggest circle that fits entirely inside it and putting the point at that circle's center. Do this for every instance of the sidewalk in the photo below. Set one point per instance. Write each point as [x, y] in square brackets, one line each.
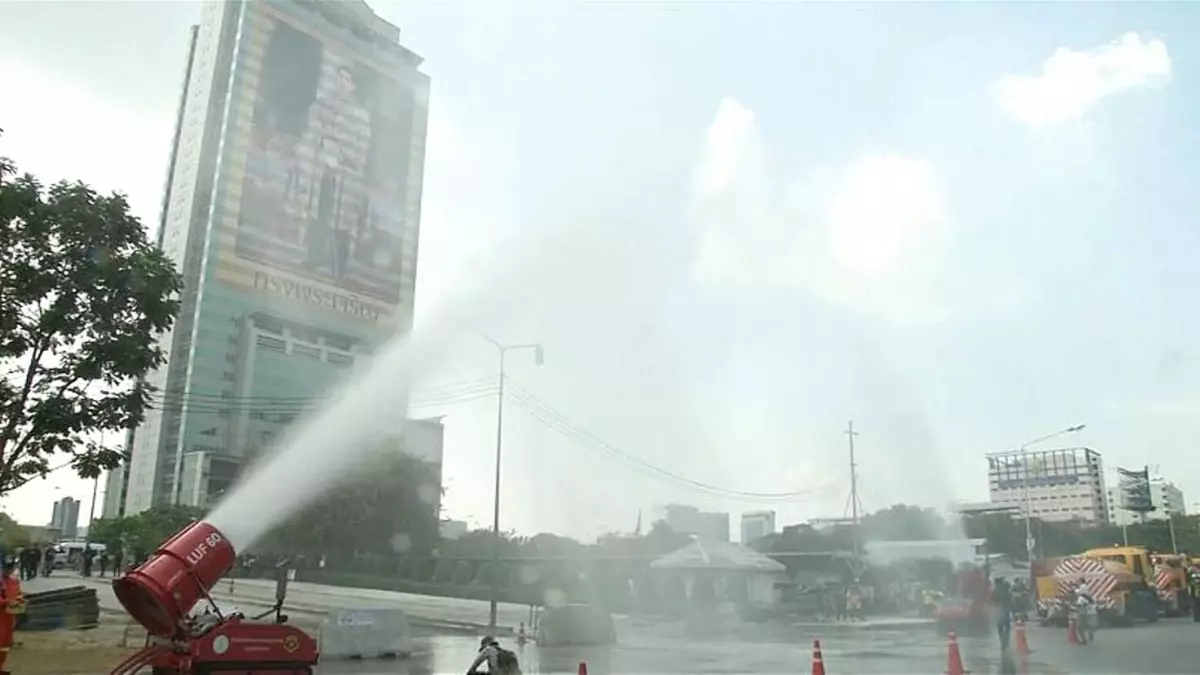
[255, 598]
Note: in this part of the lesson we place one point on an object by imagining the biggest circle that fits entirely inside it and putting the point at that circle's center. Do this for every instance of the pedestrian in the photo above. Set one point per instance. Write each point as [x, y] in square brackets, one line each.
[1194, 589]
[87, 557]
[12, 603]
[499, 660]
[103, 562]
[48, 560]
[1002, 605]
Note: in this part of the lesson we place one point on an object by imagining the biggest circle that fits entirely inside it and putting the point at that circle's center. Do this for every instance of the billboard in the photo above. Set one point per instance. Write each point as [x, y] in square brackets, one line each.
[325, 199]
[1045, 468]
[1135, 490]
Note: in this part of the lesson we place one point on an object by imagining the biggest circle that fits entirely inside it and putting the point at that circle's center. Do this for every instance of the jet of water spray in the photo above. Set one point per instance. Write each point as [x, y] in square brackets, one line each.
[325, 449]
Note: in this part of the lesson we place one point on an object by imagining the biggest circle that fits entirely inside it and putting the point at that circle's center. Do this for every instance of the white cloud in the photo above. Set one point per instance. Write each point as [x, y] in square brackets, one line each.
[1073, 82]
[867, 234]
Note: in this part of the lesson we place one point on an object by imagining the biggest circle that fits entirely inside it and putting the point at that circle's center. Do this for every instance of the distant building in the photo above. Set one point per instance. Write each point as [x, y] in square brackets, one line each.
[452, 529]
[1165, 497]
[116, 487]
[423, 439]
[957, 551]
[1060, 485]
[827, 523]
[757, 524]
[65, 518]
[706, 525]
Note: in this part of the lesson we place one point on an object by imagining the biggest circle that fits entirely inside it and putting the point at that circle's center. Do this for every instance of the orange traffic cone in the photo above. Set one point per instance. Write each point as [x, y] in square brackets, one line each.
[954, 664]
[1023, 649]
[818, 665]
[1072, 632]
[583, 668]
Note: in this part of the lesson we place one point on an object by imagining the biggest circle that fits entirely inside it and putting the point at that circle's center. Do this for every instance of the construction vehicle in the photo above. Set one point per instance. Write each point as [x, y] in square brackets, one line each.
[161, 593]
[966, 613]
[1171, 580]
[1112, 577]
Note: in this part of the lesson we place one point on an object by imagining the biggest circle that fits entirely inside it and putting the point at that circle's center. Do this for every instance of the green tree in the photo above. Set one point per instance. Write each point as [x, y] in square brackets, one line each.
[13, 535]
[387, 510]
[83, 299]
[477, 545]
[142, 533]
[112, 532]
[1004, 532]
[902, 522]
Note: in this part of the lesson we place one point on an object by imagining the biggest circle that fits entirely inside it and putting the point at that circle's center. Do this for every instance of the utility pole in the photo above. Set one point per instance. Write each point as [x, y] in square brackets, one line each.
[854, 503]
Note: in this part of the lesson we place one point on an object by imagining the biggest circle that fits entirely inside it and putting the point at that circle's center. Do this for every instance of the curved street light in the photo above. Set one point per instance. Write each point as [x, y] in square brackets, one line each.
[539, 359]
[1025, 469]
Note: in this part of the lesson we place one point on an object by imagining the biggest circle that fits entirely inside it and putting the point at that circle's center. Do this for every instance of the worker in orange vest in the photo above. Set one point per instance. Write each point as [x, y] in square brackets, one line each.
[13, 601]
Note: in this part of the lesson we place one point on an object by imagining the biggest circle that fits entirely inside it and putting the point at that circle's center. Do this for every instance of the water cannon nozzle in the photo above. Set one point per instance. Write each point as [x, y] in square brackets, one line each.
[160, 592]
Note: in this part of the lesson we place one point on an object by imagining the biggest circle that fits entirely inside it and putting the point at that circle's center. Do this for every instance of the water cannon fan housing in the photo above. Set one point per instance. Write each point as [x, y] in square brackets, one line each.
[160, 593]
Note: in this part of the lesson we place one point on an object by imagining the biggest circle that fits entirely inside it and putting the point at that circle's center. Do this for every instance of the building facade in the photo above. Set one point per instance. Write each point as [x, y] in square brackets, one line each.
[65, 518]
[291, 208]
[1053, 485]
[706, 525]
[757, 524]
[1165, 497]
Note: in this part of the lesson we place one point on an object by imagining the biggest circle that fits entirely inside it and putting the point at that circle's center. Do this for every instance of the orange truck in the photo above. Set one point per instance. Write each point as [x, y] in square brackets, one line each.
[1171, 580]
[1118, 579]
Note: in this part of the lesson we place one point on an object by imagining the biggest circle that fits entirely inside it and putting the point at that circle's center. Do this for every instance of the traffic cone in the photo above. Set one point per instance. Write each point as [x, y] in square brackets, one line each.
[1072, 633]
[954, 664]
[1023, 650]
[818, 661]
[583, 668]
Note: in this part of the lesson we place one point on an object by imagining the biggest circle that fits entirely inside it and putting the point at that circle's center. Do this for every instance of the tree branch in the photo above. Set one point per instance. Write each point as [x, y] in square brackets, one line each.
[35, 358]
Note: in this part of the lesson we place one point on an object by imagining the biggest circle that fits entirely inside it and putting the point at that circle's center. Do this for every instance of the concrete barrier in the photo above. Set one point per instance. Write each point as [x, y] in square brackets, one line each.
[365, 634]
[72, 608]
[575, 625]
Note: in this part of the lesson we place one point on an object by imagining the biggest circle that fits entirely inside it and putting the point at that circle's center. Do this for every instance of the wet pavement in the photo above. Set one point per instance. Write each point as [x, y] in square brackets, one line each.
[1171, 647]
[873, 652]
[881, 647]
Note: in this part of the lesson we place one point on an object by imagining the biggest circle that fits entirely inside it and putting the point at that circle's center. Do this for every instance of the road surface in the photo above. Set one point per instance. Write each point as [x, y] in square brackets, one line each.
[1169, 647]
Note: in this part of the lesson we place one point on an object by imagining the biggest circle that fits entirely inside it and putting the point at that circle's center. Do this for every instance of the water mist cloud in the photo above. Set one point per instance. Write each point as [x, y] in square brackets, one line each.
[869, 235]
[328, 447]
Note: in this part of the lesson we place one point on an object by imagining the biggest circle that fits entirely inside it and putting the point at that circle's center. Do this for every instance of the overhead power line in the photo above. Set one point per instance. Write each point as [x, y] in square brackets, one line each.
[176, 395]
[208, 404]
[556, 421]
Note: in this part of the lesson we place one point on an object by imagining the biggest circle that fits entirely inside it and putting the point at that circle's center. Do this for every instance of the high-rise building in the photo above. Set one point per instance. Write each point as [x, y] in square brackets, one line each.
[1165, 498]
[291, 209]
[65, 518]
[1063, 484]
[116, 487]
[757, 524]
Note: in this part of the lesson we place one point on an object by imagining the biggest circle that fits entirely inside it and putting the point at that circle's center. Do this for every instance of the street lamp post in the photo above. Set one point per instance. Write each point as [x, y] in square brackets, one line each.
[87, 539]
[503, 350]
[1025, 483]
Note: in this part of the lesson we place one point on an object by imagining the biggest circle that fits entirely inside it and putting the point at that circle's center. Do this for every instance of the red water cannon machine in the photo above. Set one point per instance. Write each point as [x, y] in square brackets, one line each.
[161, 593]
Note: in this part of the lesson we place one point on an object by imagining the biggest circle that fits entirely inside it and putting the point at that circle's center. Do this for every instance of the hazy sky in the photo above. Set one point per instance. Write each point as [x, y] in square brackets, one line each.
[962, 226]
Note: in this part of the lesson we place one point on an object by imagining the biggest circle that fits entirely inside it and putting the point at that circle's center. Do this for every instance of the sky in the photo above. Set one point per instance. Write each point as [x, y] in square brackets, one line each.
[961, 226]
